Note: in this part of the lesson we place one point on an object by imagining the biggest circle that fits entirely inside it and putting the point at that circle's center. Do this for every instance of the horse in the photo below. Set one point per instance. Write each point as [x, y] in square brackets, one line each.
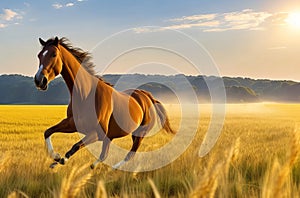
[96, 109]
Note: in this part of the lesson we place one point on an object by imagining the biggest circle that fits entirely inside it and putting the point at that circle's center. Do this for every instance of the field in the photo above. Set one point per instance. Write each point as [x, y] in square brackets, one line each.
[255, 156]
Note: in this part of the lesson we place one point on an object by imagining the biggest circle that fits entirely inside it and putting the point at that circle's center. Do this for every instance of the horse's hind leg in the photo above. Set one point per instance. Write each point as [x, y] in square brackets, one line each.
[136, 144]
[104, 152]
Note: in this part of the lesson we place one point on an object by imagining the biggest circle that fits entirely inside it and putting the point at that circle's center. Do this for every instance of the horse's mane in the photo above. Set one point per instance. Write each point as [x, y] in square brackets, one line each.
[83, 57]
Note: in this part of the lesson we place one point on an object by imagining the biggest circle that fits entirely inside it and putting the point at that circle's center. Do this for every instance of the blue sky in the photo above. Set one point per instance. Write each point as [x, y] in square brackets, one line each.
[245, 38]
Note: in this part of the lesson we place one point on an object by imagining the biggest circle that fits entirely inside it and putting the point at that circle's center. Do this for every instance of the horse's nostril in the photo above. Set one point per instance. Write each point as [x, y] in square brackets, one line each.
[44, 81]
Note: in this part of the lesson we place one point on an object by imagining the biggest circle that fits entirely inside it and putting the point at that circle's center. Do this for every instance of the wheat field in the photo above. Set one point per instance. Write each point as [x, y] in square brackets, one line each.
[255, 156]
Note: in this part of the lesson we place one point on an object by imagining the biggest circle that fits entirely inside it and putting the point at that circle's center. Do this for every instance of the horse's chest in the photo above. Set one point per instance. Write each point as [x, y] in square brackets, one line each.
[85, 118]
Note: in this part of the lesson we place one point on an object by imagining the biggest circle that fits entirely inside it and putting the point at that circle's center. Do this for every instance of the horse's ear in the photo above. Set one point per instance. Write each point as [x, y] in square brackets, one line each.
[55, 41]
[42, 42]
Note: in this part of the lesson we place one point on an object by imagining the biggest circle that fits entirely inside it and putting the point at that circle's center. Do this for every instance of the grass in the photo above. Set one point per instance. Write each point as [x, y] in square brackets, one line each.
[256, 156]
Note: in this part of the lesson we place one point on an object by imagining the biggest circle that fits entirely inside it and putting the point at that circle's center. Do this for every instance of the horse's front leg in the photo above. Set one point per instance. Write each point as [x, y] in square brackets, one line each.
[65, 126]
[88, 139]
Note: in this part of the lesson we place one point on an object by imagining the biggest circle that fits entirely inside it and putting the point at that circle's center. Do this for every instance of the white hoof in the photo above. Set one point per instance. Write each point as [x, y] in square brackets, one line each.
[118, 165]
[93, 165]
[56, 156]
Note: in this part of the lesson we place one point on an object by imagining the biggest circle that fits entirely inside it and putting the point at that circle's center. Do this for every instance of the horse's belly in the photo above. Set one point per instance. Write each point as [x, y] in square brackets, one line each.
[124, 121]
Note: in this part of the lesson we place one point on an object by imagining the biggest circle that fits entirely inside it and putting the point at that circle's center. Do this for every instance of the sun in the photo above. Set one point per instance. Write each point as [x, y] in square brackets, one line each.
[293, 19]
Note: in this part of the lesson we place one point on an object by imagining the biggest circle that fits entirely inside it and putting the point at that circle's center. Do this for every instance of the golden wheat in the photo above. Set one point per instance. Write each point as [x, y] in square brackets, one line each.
[17, 194]
[101, 191]
[279, 174]
[155, 191]
[251, 158]
[75, 182]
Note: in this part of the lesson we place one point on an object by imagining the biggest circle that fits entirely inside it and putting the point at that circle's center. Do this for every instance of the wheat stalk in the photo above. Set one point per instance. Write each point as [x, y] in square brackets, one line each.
[285, 171]
[5, 162]
[231, 156]
[270, 180]
[73, 184]
[279, 174]
[17, 194]
[100, 192]
[208, 185]
[154, 189]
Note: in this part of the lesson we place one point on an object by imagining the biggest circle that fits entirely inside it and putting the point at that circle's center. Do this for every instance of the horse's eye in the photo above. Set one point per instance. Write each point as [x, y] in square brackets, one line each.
[54, 55]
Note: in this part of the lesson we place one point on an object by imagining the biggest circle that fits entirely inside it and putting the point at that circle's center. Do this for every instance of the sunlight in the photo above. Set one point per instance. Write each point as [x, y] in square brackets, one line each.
[293, 19]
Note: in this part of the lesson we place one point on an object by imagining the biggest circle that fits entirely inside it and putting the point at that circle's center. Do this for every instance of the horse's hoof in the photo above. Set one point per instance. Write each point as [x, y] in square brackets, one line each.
[53, 165]
[92, 166]
[57, 157]
[63, 160]
[118, 165]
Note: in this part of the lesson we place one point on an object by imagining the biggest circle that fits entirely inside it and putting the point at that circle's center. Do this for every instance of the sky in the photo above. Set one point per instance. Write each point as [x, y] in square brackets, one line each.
[256, 39]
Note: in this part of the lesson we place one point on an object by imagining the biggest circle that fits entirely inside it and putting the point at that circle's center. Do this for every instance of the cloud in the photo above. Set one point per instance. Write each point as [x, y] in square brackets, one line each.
[194, 18]
[246, 19]
[175, 27]
[57, 6]
[8, 15]
[191, 25]
[2, 25]
[278, 18]
[70, 4]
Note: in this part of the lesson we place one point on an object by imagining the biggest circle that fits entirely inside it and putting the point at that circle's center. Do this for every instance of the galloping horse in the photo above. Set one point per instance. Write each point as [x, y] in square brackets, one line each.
[96, 109]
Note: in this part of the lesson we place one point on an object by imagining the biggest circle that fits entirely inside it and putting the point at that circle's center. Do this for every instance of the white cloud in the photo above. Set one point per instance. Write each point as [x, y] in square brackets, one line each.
[8, 15]
[57, 5]
[194, 18]
[69, 4]
[246, 19]
[246, 16]
[191, 25]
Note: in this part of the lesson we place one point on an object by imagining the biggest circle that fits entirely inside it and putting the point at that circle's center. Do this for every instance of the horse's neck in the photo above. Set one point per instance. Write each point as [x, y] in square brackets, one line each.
[78, 80]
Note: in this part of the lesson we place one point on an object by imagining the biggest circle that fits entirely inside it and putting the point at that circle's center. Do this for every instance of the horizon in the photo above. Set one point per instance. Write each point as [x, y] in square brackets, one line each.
[257, 39]
[169, 75]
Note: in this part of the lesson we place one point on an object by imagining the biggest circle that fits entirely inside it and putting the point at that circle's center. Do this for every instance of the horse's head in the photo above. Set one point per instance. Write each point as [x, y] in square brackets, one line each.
[50, 63]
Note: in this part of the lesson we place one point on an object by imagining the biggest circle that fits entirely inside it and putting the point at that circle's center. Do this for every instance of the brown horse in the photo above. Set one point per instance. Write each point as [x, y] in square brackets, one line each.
[96, 109]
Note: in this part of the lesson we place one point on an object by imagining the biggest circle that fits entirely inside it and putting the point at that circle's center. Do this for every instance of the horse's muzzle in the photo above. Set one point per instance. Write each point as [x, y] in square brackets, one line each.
[41, 82]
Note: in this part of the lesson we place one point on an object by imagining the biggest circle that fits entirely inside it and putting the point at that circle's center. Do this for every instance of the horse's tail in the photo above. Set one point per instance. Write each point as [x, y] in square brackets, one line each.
[162, 114]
